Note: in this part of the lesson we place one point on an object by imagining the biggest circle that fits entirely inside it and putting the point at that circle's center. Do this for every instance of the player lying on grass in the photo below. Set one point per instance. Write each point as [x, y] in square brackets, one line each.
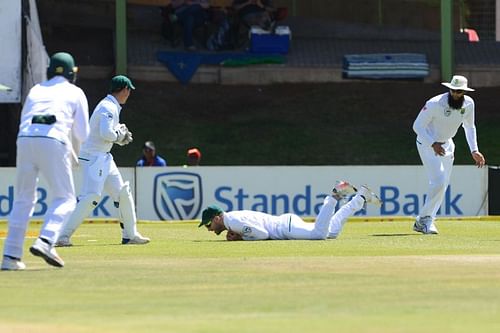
[250, 225]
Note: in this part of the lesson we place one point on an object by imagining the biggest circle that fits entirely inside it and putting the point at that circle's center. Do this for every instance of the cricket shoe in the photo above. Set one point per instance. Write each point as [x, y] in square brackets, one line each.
[138, 239]
[63, 241]
[342, 190]
[369, 196]
[47, 252]
[425, 225]
[12, 264]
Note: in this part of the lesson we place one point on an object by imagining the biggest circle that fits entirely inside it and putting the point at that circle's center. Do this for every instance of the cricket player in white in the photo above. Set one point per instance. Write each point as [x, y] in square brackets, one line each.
[55, 115]
[435, 126]
[251, 225]
[99, 169]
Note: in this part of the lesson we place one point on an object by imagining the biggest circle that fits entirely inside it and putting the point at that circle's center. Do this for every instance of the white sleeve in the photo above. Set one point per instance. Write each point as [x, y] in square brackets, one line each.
[253, 234]
[420, 125]
[470, 130]
[80, 130]
[106, 128]
[248, 231]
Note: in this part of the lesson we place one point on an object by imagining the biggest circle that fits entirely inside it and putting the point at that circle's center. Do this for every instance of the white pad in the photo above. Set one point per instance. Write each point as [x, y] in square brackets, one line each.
[127, 211]
[82, 210]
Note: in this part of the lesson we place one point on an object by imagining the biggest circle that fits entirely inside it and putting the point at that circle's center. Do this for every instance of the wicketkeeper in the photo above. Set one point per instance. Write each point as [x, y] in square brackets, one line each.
[99, 169]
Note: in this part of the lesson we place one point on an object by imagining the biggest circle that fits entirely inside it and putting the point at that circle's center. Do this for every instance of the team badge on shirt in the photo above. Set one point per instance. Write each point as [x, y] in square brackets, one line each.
[447, 112]
[246, 230]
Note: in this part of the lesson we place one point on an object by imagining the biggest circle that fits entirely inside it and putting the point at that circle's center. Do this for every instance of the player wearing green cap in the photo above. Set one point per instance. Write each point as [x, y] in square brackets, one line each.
[54, 121]
[251, 225]
[99, 169]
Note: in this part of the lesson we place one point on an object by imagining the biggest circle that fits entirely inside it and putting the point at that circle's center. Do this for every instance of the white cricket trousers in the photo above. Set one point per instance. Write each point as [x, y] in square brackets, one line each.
[51, 159]
[100, 173]
[327, 219]
[438, 169]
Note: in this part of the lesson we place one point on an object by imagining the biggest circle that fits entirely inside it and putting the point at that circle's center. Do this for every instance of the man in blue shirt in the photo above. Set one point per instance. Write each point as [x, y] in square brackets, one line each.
[150, 158]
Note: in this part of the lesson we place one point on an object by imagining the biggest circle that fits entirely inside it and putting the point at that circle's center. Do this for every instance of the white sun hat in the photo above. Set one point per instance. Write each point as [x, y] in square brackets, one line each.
[458, 82]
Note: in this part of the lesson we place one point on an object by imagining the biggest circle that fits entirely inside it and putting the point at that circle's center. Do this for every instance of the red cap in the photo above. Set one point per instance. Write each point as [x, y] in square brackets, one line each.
[194, 151]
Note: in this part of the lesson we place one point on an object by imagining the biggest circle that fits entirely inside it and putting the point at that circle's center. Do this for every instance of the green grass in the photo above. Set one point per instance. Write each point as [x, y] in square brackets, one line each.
[290, 124]
[377, 277]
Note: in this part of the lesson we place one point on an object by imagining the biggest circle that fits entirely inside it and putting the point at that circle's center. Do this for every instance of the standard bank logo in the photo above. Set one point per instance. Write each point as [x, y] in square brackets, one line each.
[177, 195]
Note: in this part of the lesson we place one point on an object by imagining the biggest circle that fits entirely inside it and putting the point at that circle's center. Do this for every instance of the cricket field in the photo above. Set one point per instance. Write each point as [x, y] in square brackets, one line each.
[376, 277]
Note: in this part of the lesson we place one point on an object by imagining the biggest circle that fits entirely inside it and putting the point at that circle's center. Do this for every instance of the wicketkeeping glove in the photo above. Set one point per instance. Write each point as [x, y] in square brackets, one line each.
[124, 135]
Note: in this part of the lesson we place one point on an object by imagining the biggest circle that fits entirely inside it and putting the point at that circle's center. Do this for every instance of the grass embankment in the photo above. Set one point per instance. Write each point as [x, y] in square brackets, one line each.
[293, 124]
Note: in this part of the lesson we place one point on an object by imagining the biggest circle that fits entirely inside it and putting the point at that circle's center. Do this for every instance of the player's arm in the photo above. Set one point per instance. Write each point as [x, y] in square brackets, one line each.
[106, 128]
[233, 236]
[471, 136]
[80, 130]
[420, 125]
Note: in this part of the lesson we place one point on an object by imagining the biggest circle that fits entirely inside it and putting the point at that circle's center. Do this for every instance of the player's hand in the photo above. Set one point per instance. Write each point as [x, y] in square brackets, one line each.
[233, 236]
[438, 148]
[479, 159]
[124, 136]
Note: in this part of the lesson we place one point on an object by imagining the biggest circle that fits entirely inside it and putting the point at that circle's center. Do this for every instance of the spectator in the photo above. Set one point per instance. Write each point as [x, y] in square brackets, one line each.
[255, 12]
[149, 157]
[190, 14]
[193, 157]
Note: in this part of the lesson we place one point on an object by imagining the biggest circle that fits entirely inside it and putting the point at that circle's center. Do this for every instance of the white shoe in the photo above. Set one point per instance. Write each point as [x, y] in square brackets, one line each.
[425, 225]
[331, 236]
[12, 264]
[138, 239]
[63, 241]
[369, 196]
[342, 190]
[47, 252]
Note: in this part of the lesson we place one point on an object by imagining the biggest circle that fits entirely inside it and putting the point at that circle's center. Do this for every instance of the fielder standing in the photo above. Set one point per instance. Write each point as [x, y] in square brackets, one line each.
[99, 169]
[54, 115]
[435, 126]
[252, 226]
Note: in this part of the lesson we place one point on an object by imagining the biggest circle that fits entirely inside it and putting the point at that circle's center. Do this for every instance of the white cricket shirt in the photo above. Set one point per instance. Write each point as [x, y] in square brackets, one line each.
[438, 122]
[59, 98]
[256, 225]
[104, 119]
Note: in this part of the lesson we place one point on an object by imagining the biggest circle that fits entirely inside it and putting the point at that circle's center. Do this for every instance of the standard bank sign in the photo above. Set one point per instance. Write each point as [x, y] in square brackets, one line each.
[177, 195]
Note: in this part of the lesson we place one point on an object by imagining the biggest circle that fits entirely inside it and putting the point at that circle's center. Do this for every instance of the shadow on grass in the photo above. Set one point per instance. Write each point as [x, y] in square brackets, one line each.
[397, 235]
[209, 240]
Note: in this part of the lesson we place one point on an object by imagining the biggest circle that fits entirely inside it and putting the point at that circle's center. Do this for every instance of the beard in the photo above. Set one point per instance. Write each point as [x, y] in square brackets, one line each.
[455, 104]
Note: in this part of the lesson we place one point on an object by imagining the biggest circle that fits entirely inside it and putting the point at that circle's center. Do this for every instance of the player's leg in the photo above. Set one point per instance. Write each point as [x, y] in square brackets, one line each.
[57, 170]
[435, 168]
[298, 229]
[342, 191]
[55, 166]
[340, 217]
[122, 197]
[22, 209]
[363, 196]
[89, 199]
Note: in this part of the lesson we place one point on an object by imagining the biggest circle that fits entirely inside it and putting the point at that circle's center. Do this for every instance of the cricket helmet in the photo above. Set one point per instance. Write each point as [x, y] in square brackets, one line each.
[63, 64]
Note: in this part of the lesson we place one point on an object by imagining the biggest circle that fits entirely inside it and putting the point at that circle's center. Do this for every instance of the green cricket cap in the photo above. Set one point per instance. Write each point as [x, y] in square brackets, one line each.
[208, 214]
[119, 82]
